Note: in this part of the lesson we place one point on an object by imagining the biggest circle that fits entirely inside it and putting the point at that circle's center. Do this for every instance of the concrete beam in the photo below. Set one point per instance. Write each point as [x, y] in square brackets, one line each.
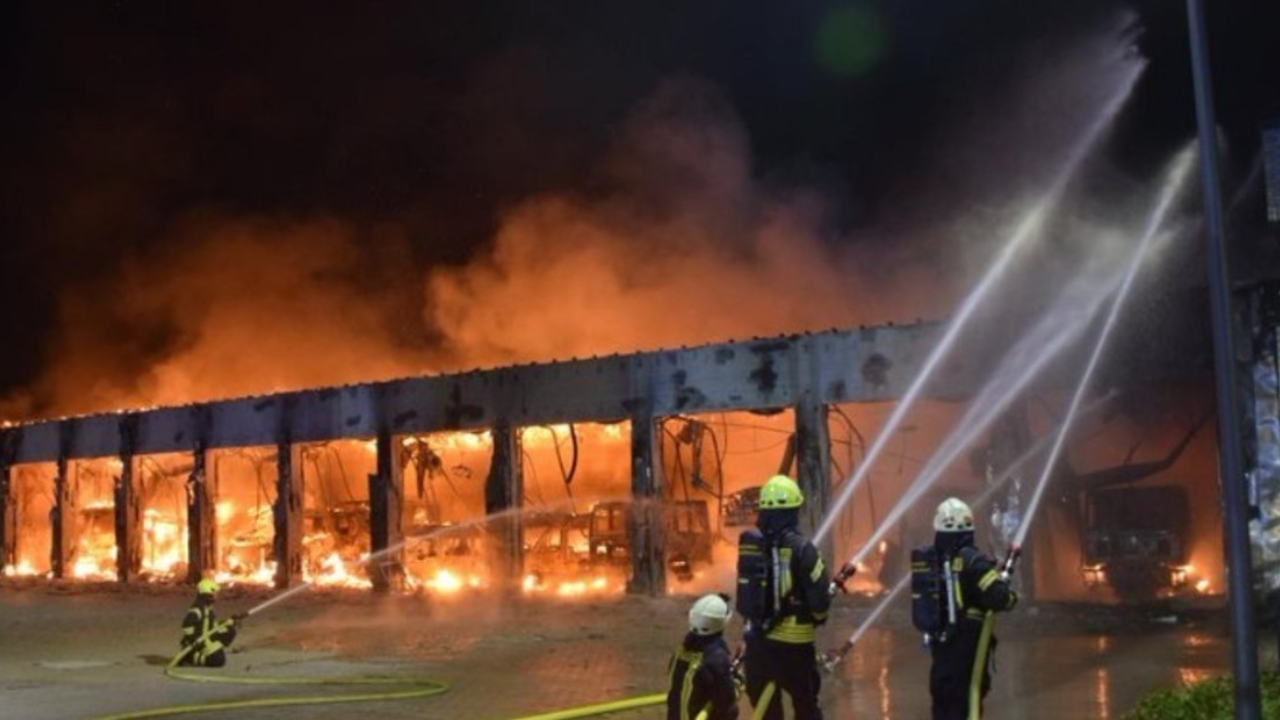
[287, 512]
[62, 549]
[813, 456]
[645, 520]
[386, 517]
[864, 365]
[8, 515]
[202, 524]
[128, 512]
[504, 491]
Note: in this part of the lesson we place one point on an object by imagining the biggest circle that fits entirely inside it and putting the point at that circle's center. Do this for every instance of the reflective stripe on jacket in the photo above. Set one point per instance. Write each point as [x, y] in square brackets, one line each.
[805, 585]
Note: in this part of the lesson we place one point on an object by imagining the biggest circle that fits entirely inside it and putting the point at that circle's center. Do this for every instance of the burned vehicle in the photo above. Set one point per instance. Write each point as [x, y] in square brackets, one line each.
[742, 507]
[687, 525]
[1135, 542]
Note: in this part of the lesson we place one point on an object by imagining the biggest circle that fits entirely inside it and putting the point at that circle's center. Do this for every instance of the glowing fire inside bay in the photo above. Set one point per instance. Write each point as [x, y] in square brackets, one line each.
[447, 544]
[90, 518]
[574, 509]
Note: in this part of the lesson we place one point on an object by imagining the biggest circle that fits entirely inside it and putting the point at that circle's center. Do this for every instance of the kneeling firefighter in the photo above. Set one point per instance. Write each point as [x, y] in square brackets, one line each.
[204, 639]
[783, 595]
[956, 589]
[703, 686]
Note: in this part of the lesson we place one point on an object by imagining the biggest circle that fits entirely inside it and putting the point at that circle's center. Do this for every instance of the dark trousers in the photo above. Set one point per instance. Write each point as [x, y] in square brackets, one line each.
[791, 668]
[217, 658]
[951, 676]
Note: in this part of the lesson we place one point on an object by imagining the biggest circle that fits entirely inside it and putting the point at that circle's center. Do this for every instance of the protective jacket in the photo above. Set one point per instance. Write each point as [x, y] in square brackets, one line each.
[201, 622]
[784, 659]
[701, 680]
[962, 665]
[803, 588]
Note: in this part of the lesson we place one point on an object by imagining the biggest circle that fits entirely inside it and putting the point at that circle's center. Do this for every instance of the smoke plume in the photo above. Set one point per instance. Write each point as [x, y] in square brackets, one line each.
[682, 245]
[675, 238]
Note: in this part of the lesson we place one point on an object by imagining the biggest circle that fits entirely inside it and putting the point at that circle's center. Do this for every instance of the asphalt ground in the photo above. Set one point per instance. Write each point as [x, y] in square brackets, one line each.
[71, 651]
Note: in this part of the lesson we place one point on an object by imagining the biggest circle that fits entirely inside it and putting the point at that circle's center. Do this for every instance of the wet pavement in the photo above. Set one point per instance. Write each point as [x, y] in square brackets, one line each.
[1055, 664]
[75, 652]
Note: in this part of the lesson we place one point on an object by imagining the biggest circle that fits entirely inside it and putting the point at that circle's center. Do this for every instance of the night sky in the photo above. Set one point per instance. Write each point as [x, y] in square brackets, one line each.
[418, 125]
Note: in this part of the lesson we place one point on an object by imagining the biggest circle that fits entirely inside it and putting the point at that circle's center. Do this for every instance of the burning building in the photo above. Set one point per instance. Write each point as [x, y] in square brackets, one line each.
[623, 473]
[604, 473]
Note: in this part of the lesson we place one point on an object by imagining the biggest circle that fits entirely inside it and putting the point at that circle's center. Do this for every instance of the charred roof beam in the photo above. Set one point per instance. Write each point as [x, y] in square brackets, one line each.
[865, 365]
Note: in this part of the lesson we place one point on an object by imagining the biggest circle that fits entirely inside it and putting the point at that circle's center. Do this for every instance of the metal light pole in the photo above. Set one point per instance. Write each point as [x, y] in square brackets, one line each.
[1235, 507]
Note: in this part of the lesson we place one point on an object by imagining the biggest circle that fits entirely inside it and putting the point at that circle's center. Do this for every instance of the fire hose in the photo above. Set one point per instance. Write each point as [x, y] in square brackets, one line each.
[414, 687]
[988, 626]
[417, 687]
[639, 701]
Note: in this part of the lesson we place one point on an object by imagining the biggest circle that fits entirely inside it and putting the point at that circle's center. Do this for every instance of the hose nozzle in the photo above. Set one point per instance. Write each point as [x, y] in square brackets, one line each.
[847, 571]
[831, 658]
[1010, 562]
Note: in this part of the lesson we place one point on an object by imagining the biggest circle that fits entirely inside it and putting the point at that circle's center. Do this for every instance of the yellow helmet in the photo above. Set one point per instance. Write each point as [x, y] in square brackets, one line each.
[206, 587]
[779, 493]
[709, 615]
[953, 516]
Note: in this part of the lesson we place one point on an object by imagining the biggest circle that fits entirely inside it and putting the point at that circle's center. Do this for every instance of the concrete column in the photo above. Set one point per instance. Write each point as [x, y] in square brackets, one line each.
[503, 491]
[645, 527]
[202, 523]
[8, 505]
[128, 514]
[63, 513]
[386, 517]
[287, 512]
[813, 455]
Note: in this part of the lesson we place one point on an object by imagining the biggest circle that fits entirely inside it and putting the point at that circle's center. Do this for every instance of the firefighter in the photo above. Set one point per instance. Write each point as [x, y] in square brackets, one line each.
[703, 686]
[963, 660]
[204, 639]
[781, 655]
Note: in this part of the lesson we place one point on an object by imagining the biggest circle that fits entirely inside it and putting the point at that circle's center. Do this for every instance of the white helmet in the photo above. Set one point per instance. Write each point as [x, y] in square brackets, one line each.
[953, 516]
[709, 615]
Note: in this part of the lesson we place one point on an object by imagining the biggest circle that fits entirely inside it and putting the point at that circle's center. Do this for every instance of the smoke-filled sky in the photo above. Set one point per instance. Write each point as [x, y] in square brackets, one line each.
[204, 200]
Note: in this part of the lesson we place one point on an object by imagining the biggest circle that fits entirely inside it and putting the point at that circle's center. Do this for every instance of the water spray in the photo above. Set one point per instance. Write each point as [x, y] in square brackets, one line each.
[1028, 228]
[1172, 186]
[1008, 565]
[367, 559]
[278, 598]
[835, 657]
[967, 308]
[1051, 337]
[1052, 334]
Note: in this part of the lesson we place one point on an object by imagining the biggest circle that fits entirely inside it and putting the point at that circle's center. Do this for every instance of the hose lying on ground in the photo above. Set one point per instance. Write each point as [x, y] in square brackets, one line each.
[415, 688]
[412, 688]
[601, 708]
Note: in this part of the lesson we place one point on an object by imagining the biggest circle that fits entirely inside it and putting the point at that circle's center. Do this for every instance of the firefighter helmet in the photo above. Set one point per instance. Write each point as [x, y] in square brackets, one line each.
[206, 587]
[709, 615]
[780, 493]
[953, 516]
